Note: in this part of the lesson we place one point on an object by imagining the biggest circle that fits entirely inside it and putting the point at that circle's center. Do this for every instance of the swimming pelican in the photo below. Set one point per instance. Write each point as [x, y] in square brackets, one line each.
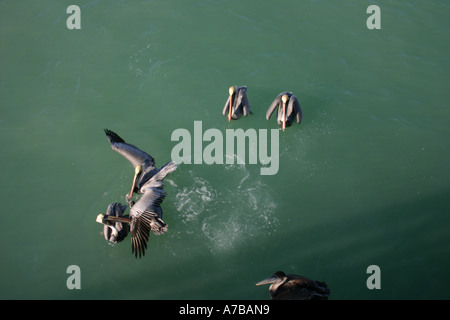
[237, 103]
[146, 213]
[294, 287]
[288, 109]
[115, 232]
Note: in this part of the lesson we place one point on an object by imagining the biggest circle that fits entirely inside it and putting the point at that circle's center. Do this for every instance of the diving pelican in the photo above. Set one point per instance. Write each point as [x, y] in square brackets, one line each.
[237, 103]
[146, 213]
[294, 287]
[288, 109]
[115, 232]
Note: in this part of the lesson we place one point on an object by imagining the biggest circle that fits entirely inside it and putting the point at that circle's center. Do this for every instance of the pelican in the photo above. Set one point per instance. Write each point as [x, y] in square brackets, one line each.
[115, 232]
[146, 213]
[288, 109]
[237, 103]
[294, 287]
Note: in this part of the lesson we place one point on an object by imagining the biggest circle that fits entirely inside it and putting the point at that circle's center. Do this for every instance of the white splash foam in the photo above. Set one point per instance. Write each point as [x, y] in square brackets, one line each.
[227, 217]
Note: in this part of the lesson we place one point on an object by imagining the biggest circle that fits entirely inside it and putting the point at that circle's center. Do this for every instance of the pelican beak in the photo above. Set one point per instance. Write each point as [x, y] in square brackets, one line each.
[285, 99]
[269, 280]
[230, 111]
[99, 218]
[230, 108]
[137, 170]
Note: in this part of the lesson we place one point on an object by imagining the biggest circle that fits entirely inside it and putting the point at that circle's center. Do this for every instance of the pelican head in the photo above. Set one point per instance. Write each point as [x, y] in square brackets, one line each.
[285, 98]
[99, 218]
[232, 90]
[138, 169]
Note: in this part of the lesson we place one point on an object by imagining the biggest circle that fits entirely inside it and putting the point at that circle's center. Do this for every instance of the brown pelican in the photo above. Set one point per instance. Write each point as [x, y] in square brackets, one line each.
[237, 103]
[146, 213]
[288, 109]
[294, 287]
[115, 231]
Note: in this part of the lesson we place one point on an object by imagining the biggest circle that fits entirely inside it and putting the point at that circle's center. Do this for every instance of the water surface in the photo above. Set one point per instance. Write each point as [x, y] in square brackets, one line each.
[364, 180]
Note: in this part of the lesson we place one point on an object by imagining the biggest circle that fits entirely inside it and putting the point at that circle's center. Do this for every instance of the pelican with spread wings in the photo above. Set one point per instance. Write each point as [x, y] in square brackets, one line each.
[146, 214]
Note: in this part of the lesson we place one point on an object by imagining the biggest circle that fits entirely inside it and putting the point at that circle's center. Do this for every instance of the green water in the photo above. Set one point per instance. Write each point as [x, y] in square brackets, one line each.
[364, 180]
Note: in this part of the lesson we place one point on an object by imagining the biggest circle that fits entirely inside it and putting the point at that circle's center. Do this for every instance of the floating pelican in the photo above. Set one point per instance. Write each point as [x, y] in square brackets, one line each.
[237, 103]
[294, 287]
[146, 213]
[115, 232]
[288, 109]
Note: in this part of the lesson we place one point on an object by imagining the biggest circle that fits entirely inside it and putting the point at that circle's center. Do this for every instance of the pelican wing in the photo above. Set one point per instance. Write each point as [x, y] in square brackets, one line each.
[312, 285]
[299, 281]
[244, 101]
[146, 214]
[153, 192]
[132, 153]
[294, 104]
[300, 288]
[152, 196]
[226, 107]
[276, 103]
[240, 92]
[140, 229]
